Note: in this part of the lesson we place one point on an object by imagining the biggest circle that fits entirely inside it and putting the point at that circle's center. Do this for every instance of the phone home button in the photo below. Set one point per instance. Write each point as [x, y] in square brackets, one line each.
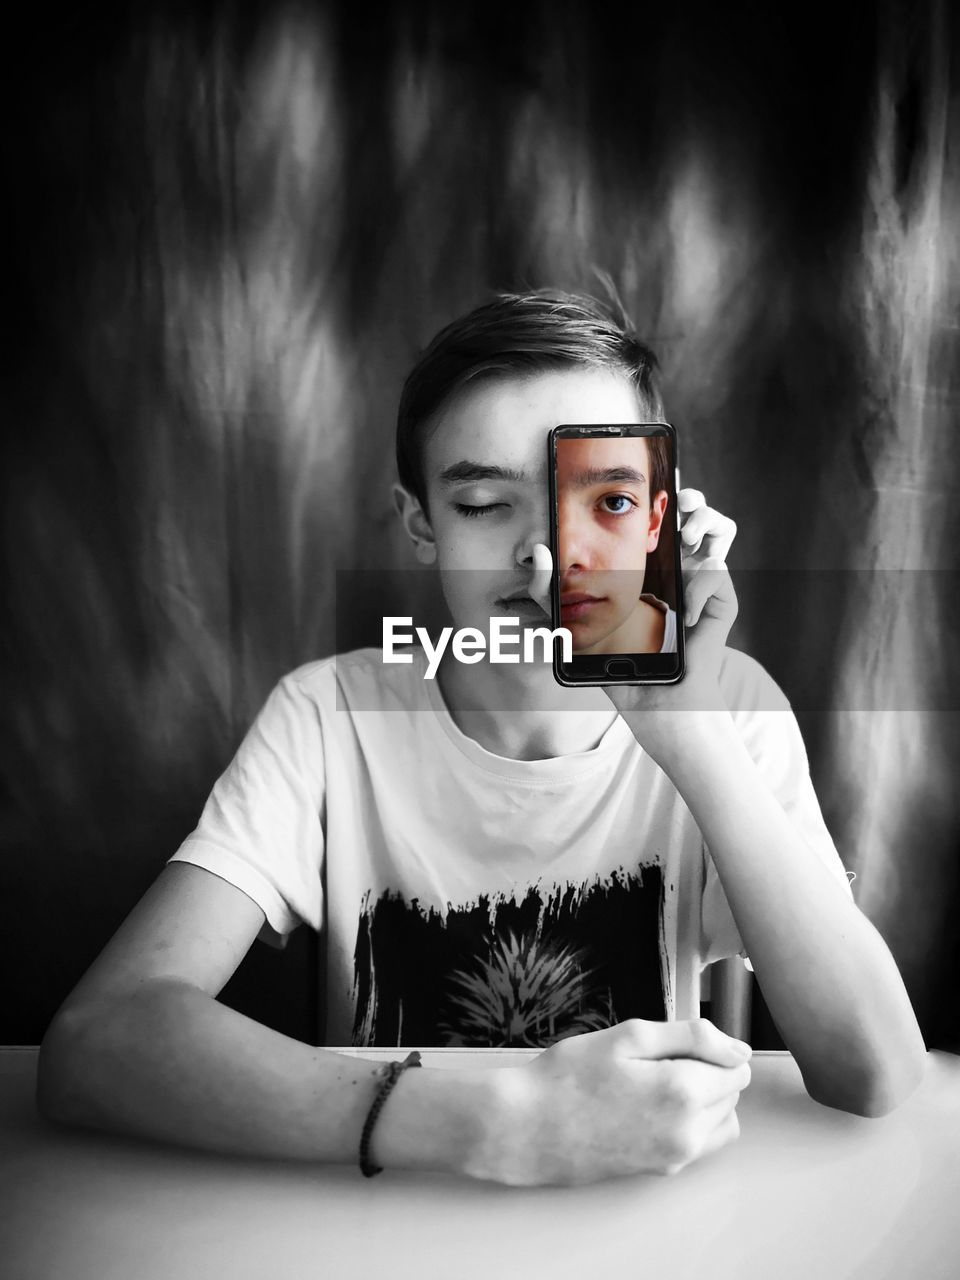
[619, 667]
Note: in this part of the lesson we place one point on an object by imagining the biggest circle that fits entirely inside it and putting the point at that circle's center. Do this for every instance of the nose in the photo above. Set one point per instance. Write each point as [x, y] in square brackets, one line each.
[572, 537]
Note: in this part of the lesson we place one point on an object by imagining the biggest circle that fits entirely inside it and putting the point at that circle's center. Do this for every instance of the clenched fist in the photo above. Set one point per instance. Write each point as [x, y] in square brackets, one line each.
[640, 1097]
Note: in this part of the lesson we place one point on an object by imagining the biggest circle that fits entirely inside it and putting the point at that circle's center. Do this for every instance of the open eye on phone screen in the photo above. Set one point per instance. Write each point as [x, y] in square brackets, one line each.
[624, 504]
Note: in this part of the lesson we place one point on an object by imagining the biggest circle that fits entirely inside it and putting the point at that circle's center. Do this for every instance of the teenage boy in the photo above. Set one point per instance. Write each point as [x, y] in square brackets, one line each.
[493, 859]
[611, 501]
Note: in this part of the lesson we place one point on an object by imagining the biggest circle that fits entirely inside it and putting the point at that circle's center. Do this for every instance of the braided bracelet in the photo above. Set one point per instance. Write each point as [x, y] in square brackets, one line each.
[391, 1073]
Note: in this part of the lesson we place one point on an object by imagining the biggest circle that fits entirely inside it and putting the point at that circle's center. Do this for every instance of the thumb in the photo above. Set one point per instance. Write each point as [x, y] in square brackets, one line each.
[697, 1038]
[542, 574]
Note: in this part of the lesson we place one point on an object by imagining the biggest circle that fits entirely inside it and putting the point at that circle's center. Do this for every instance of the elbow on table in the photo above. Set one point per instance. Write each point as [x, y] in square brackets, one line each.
[60, 1069]
[872, 1091]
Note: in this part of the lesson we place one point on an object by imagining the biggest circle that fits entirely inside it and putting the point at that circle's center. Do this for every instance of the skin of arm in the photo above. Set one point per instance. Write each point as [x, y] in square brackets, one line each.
[830, 982]
[143, 1048]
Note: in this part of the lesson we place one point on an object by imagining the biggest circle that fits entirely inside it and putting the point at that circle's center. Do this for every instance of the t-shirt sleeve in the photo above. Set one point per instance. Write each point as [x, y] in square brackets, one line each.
[262, 826]
[771, 734]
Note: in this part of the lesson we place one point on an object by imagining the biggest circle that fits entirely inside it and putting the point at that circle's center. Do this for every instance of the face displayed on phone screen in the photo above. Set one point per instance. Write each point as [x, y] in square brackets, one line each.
[616, 587]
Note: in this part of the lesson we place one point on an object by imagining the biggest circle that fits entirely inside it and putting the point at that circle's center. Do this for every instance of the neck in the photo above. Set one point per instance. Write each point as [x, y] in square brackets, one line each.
[520, 712]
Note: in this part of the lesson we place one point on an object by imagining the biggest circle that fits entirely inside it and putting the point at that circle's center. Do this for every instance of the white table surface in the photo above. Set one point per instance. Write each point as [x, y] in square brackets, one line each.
[806, 1193]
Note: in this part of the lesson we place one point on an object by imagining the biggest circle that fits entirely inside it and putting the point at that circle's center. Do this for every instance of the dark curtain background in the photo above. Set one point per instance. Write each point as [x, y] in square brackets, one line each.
[231, 229]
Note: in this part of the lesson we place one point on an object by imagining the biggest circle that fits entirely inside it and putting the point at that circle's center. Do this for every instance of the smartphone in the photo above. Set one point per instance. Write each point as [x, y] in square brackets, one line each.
[616, 553]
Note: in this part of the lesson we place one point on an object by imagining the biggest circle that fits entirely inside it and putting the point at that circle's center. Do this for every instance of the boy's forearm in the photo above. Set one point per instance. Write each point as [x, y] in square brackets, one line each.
[828, 978]
[170, 1063]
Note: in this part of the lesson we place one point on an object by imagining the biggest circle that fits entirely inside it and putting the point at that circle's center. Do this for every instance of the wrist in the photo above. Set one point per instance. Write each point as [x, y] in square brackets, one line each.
[449, 1121]
[505, 1149]
[674, 738]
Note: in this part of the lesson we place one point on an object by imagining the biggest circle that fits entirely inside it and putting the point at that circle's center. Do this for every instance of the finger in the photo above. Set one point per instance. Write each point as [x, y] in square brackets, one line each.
[709, 1128]
[542, 573]
[697, 1038]
[720, 540]
[717, 1113]
[717, 616]
[690, 499]
[708, 583]
[709, 1086]
[694, 525]
[725, 1132]
[707, 530]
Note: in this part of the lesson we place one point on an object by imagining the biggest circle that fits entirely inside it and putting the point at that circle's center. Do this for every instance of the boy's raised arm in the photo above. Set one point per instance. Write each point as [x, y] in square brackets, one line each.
[826, 974]
[142, 1047]
[829, 980]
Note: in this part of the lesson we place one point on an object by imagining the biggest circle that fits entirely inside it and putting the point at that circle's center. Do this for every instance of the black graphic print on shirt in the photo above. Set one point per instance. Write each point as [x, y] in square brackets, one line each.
[509, 972]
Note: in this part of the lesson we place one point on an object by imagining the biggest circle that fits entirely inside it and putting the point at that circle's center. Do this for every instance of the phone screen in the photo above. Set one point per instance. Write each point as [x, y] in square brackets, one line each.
[616, 553]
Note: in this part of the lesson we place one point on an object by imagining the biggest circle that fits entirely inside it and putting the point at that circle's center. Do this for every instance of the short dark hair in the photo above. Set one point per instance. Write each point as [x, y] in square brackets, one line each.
[526, 333]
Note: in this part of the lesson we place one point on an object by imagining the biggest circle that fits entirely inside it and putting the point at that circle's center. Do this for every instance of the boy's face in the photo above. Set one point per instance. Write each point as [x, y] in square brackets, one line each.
[485, 466]
[608, 524]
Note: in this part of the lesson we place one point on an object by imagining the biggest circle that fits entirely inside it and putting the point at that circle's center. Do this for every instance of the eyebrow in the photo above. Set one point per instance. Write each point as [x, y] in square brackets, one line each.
[466, 472]
[607, 475]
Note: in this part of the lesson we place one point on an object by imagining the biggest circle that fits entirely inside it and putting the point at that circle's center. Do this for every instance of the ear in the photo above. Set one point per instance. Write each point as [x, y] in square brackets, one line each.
[415, 524]
[658, 510]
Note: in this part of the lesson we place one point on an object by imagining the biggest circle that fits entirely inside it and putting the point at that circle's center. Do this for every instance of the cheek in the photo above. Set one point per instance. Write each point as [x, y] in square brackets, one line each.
[627, 546]
[452, 550]
[470, 544]
[455, 535]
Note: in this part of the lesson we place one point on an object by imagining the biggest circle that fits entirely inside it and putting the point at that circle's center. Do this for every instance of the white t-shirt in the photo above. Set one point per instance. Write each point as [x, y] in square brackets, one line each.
[669, 644]
[467, 898]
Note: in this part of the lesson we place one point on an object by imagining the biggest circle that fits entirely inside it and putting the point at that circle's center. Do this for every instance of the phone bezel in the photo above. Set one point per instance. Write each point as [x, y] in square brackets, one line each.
[592, 669]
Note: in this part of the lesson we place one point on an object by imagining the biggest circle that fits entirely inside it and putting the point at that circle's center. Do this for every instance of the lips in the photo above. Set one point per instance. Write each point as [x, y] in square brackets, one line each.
[576, 606]
[579, 597]
[522, 601]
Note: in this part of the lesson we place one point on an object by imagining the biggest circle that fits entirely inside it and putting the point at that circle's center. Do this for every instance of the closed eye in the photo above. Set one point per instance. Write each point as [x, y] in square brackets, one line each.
[482, 509]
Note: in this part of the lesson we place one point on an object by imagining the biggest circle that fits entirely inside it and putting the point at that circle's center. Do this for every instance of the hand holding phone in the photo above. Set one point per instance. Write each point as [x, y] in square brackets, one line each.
[710, 609]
